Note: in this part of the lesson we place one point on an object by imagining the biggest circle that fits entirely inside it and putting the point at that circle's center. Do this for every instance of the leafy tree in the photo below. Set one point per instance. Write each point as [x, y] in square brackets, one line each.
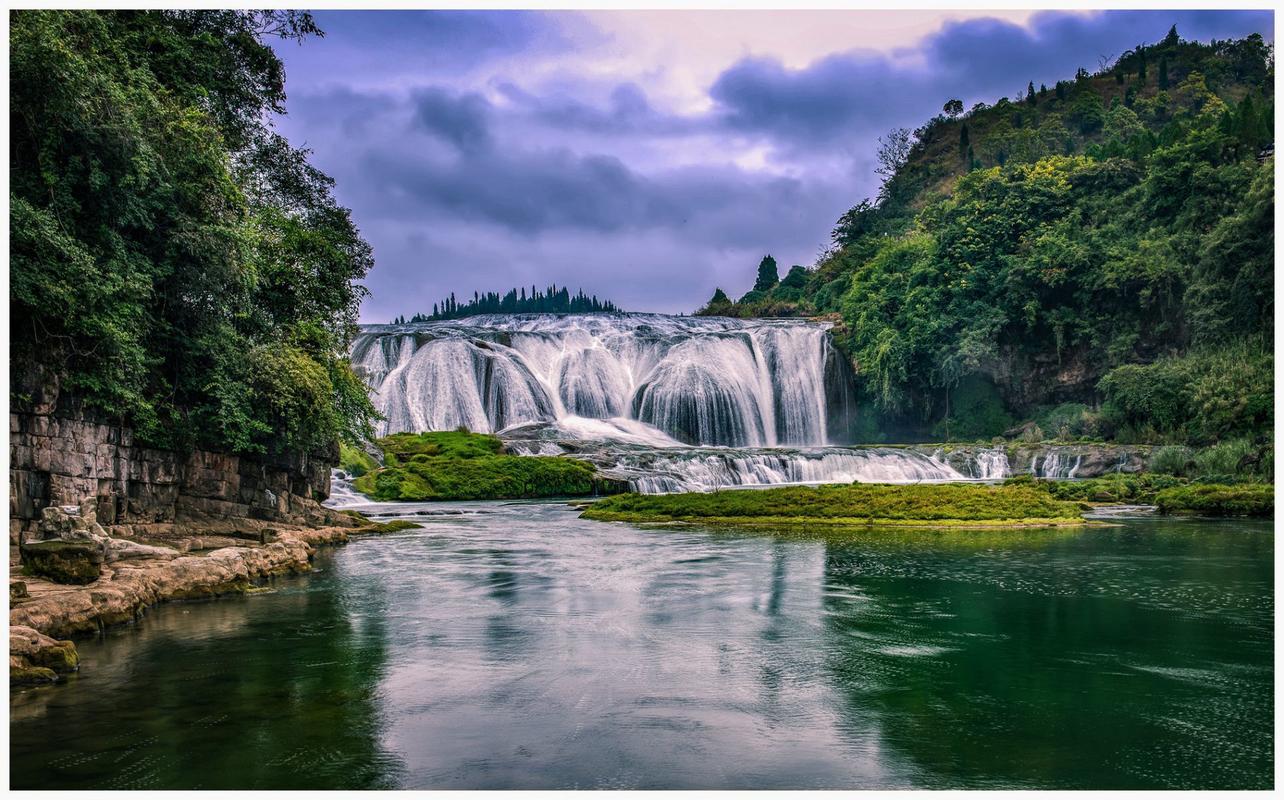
[175, 263]
[953, 108]
[768, 275]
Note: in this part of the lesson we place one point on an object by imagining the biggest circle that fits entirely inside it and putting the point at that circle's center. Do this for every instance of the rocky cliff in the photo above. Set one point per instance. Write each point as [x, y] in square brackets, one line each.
[139, 492]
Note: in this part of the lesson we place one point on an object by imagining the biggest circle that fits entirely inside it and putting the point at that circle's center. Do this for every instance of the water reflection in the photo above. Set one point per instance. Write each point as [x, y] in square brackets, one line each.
[1102, 659]
[517, 646]
[266, 692]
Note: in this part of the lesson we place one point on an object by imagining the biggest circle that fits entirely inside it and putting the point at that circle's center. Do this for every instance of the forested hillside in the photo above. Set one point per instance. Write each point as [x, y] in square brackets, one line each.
[176, 265]
[1096, 256]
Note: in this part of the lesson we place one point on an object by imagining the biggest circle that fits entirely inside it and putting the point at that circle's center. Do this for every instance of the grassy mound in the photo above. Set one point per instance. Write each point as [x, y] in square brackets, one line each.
[1117, 488]
[855, 504]
[469, 466]
[1218, 500]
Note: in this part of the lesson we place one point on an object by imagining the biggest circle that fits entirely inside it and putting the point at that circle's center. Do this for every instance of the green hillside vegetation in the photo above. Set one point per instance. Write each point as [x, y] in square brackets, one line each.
[852, 504]
[457, 465]
[1214, 500]
[1103, 246]
[175, 264]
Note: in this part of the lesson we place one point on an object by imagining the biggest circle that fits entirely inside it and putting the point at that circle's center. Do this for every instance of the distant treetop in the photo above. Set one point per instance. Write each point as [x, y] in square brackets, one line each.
[552, 300]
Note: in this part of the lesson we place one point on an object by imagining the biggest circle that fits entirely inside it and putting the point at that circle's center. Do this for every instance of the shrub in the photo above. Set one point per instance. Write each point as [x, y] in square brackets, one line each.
[1210, 499]
[1171, 460]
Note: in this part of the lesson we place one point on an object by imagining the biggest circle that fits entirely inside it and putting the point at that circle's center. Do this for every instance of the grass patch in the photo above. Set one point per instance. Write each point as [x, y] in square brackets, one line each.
[457, 465]
[1218, 500]
[1117, 488]
[944, 505]
[355, 461]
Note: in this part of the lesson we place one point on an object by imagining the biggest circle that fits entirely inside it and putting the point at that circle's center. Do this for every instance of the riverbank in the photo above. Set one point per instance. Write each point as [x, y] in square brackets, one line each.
[929, 505]
[44, 616]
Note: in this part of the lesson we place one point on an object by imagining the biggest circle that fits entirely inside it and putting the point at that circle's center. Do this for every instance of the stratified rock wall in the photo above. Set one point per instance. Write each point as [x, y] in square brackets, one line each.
[63, 460]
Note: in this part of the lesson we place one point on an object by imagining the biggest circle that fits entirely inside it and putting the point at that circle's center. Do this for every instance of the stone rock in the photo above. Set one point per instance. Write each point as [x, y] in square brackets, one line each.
[35, 658]
[63, 561]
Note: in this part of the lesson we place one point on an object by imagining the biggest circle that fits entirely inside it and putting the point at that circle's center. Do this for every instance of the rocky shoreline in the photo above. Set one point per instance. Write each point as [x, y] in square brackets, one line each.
[44, 616]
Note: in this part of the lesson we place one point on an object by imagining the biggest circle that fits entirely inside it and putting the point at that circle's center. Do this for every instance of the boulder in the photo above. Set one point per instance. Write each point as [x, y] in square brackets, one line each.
[74, 562]
[35, 658]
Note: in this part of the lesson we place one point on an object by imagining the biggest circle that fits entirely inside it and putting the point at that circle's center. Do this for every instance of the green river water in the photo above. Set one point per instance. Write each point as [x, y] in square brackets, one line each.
[517, 646]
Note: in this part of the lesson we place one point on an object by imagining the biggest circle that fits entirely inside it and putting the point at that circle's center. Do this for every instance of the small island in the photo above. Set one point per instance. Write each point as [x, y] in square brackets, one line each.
[919, 505]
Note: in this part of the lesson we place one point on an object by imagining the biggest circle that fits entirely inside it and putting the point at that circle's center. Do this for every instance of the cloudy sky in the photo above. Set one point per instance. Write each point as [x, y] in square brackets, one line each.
[646, 156]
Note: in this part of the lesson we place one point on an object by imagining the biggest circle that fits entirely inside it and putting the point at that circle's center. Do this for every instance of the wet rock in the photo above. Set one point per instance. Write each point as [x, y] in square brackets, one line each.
[35, 658]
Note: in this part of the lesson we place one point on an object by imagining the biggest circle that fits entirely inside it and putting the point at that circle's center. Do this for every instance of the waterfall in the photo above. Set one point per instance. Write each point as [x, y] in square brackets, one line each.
[1056, 464]
[687, 380]
[655, 470]
[992, 464]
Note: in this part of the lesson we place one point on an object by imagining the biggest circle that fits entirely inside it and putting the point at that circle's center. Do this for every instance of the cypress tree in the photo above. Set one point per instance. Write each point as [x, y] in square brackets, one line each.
[1163, 73]
[965, 144]
[768, 275]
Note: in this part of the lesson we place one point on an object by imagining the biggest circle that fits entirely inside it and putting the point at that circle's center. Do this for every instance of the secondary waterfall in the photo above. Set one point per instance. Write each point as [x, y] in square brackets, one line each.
[657, 470]
[687, 380]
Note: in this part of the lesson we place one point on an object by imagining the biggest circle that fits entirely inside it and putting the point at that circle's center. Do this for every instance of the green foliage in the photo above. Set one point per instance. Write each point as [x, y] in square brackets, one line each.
[458, 465]
[1228, 461]
[1069, 421]
[1216, 500]
[174, 263]
[975, 412]
[516, 301]
[1044, 272]
[1171, 460]
[1114, 489]
[448, 444]
[854, 504]
[1205, 396]
[768, 275]
[355, 461]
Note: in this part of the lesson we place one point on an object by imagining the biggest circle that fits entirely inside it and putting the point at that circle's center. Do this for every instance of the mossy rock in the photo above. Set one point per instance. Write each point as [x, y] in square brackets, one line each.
[31, 676]
[63, 562]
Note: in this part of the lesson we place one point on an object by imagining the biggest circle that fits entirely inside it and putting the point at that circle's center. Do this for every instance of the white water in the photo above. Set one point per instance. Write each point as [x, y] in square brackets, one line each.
[654, 378]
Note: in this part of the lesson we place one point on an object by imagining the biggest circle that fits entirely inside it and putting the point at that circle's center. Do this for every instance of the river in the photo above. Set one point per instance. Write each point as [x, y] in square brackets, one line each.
[514, 645]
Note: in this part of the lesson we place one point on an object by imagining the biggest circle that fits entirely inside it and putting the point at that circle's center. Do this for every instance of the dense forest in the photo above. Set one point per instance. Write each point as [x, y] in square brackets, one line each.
[516, 301]
[175, 264]
[1094, 259]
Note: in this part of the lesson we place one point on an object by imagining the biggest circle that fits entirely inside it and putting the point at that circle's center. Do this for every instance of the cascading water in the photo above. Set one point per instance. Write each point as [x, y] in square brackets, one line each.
[656, 470]
[664, 403]
[702, 381]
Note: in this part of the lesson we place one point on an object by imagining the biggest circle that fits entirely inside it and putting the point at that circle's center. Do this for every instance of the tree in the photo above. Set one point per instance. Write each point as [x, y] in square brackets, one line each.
[796, 278]
[1029, 93]
[174, 261]
[768, 276]
[1172, 39]
[953, 108]
[1163, 73]
[893, 152]
[965, 144]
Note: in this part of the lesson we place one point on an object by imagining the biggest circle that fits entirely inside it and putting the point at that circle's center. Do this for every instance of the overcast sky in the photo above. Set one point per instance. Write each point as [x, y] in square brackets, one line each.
[646, 156]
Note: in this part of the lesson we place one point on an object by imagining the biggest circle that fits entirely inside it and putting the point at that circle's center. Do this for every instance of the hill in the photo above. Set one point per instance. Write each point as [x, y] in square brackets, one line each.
[1097, 255]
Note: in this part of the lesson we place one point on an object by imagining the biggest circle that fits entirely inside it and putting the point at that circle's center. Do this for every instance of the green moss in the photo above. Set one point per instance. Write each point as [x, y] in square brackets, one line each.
[961, 505]
[355, 461]
[62, 562]
[1219, 500]
[31, 676]
[392, 527]
[458, 465]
